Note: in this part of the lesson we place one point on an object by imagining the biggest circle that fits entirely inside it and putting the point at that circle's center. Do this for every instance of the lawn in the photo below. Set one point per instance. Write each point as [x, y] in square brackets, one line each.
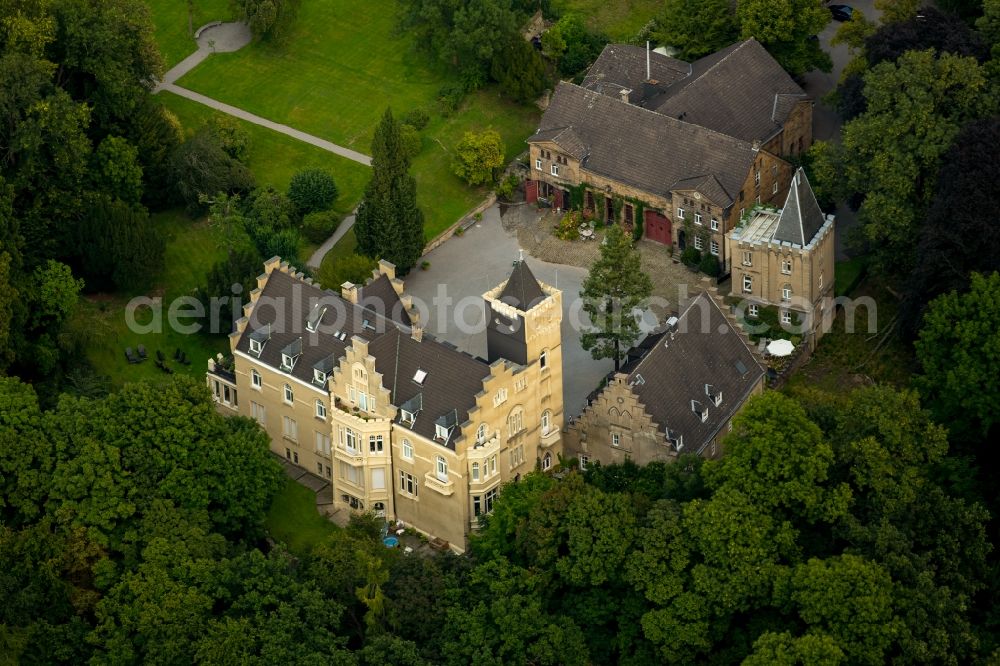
[339, 70]
[294, 520]
[274, 158]
[170, 19]
[620, 20]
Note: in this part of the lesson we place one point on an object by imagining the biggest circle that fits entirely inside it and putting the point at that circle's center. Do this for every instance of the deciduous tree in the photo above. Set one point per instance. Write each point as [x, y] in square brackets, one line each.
[784, 27]
[478, 157]
[697, 27]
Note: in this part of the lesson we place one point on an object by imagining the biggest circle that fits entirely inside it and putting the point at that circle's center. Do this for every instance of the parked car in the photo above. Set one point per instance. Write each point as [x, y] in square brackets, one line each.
[841, 12]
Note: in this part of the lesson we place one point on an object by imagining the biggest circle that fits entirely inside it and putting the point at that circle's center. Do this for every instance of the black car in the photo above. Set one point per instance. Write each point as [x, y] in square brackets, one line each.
[841, 12]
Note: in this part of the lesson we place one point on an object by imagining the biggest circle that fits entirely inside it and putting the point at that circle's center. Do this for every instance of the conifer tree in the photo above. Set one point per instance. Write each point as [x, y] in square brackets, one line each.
[389, 225]
[614, 288]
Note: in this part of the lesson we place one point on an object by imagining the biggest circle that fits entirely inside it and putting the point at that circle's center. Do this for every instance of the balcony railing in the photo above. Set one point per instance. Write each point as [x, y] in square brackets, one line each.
[446, 488]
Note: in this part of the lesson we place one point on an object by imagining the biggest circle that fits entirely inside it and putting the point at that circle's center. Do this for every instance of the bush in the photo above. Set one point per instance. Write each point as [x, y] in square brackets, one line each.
[569, 226]
[231, 136]
[418, 118]
[318, 226]
[410, 137]
[478, 156]
[312, 190]
[505, 190]
[709, 265]
[200, 166]
[355, 268]
[450, 97]
[691, 256]
[268, 207]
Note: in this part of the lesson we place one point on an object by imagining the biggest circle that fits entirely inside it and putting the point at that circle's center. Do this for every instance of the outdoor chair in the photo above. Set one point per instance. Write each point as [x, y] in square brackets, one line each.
[160, 357]
[130, 355]
[177, 354]
[142, 352]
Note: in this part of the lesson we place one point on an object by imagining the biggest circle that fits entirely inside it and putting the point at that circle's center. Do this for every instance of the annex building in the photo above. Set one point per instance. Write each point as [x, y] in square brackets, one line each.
[350, 388]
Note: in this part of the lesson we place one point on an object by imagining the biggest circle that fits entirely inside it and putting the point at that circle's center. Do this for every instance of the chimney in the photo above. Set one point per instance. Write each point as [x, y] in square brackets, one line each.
[623, 94]
[649, 74]
[417, 333]
[387, 268]
[349, 291]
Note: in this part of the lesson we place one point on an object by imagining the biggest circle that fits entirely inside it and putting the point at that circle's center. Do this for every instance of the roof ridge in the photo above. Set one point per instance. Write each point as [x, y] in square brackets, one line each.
[679, 318]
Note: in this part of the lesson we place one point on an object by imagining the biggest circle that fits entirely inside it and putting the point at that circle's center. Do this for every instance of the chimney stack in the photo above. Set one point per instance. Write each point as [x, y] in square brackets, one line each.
[649, 74]
[349, 291]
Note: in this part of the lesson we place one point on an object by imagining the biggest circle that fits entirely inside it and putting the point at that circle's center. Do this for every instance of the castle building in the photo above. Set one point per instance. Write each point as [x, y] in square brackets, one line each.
[350, 389]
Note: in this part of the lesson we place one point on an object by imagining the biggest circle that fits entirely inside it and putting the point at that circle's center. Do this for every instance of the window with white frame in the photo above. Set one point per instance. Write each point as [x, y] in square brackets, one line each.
[753, 311]
[256, 347]
[291, 428]
[407, 450]
[256, 380]
[516, 456]
[786, 266]
[378, 478]
[349, 439]
[547, 461]
[363, 401]
[698, 244]
[408, 484]
[481, 433]
[375, 443]
[555, 170]
[680, 213]
[492, 466]
[520, 385]
[319, 377]
[515, 422]
[584, 459]
[786, 317]
[440, 432]
[500, 397]
[747, 284]
[441, 468]
[714, 248]
[786, 292]
[538, 164]
[320, 410]
[616, 439]
[322, 443]
[355, 475]
[258, 413]
[475, 471]
[289, 395]
[747, 258]
[715, 224]
[546, 421]
[697, 218]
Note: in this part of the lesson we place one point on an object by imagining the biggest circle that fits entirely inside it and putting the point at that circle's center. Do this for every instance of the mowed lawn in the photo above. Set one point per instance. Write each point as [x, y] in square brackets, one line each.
[341, 66]
[170, 19]
[294, 519]
[619, 20]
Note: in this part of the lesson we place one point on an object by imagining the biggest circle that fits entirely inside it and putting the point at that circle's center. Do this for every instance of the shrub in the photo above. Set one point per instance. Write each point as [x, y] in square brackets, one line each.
[709, 265]
[505, 190]
[410, 137]
[569, 226]
[355, 268]
[318, 226]
[450, 97]
[231, 136]
[417, 118]
[691, 256]
[312, 190]
[478, 156]
[268, 207]
[200, 166]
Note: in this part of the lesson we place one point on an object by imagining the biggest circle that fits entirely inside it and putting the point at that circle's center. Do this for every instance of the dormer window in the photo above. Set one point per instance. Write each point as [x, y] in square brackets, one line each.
[256, 347]
[290, 354]
[675, 439]
[713, 394]
[287, 362]
[440, 432]
[319, 377]
[258, 339]
[407, 417]
[315, 317]
[444, 425]
[408, 410]
[700, 410]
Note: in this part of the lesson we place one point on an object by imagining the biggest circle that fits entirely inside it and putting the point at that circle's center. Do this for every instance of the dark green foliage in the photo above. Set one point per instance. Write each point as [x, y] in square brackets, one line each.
[240, 267]
[201, 168]
[521, 72]
[571, 45]
[268, 19]
[318, 226]
[615, 286]
[230, 136]
[117, 246]
[389, 224]
[312, 190]
[410, 137]
[709, 265]
[697, 27]
[691, 256]
[155, 132]
[267, 207]
[354, 268]
[416, 118]
[116, 170]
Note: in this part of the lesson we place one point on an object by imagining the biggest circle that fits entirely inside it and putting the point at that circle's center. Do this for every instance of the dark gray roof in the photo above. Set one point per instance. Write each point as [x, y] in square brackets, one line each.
[740, 90]
[705, 350]
[645, 149]
[801, 217]
[448, 391]
[380, 295]
[522, 289]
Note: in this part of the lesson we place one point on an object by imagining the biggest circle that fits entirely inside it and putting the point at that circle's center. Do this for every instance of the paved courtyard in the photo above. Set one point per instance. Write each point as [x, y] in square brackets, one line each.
[467, 266]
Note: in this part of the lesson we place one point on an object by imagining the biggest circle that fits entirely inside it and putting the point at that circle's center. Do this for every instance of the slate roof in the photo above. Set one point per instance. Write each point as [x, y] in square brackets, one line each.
[645, 149]
[379, 293]
[453, 378]
[522, 289]
[452, 382]
[706, 349]
[740, 90]
[801, 217]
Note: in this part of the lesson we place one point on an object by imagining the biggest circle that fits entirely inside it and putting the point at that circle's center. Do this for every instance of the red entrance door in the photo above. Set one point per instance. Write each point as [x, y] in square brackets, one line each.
[531, 191]
[657, 227]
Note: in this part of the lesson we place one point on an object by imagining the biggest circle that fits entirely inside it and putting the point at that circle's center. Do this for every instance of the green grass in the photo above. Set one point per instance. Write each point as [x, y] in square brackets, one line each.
[170, 20]
[274, 158]
[293, 519]
[341, 66]
[848, 275]
[619, 20]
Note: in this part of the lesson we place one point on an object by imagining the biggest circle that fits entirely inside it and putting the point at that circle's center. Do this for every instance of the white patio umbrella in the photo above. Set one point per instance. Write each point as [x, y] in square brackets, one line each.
[780, 347]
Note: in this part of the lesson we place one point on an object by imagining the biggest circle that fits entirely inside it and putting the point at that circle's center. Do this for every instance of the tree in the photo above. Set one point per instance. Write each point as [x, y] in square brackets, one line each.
[241, 267]
[520, 71]
[614, 289]
[956, 238]
[318, 226]
[570, 45]
[353, 268]
[312, 190]
[230, 135]
[200, 167]
[8, 298]
[892, 152]
[942, 31]
[117, 170]
[774, 649]
[478, 157]
[388, 224]
[270, 19]
[989, 23]
[697, 27]
[958, 350]
[784, 27]
[117, 245]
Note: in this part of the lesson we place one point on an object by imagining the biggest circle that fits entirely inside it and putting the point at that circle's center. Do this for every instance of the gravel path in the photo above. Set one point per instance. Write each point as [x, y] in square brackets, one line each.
[317, 257]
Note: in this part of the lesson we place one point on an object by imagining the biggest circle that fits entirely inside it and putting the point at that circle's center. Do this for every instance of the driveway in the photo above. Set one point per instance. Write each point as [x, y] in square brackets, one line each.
[467, 266]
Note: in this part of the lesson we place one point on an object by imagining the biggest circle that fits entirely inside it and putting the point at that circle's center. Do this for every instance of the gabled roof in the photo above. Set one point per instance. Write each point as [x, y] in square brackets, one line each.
[645, 149]
[564, 137]
[623, 67]
[801, 217]
[522, 289]
[379, 295]
[448, 391]
[706, 349]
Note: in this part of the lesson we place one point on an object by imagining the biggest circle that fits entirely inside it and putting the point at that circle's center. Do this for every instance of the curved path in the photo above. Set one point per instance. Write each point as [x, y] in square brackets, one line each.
[228, 37]
[317, 257]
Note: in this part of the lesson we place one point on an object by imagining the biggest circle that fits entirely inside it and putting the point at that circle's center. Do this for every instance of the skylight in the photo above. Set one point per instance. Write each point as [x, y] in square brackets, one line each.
[419, 376]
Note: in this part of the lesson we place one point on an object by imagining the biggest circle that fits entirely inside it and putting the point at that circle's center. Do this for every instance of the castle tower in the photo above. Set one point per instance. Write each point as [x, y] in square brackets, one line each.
[523, 319]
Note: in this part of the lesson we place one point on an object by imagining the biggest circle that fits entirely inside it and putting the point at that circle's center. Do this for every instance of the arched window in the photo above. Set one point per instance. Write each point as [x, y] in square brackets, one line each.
[546, 421]
[379, 508]
[481, 433]
[442, 469]
[547, 461]
[515, 421]
[255, 379]
[289, 396]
